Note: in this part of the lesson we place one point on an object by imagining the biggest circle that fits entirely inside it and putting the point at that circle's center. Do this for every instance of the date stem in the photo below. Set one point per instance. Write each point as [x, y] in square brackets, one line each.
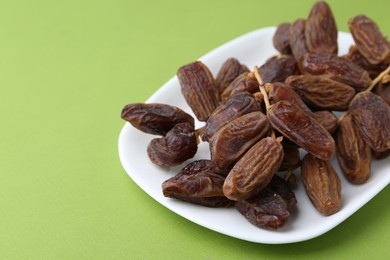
[265, 95]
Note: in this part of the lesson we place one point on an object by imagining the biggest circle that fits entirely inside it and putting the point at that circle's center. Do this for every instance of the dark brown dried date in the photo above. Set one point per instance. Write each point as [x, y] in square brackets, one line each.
[321, 93]
[279, 91]
[230, 70]
[372, 44]
[178, 145]
[296, 37]
[280, 39]
[155, 119]
[371, 115]
[278, 68]
[302, 129]
[245, 82]
[291, 159]
[232, 108]
[327, 119]
[373, 69]
[321, 30]
[336, 68]
[254, 170]
[353, 153]
[198, 88]
[232, 140]
[270, 208]
[198, 183]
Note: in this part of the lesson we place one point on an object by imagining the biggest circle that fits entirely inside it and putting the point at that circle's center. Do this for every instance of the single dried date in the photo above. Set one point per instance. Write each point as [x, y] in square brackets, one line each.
[373, 69]
[199, 89]
[302, 129]
[232, 140]
[230, 109]
[336, 68]
[199, 183]
[280, 39]
[322, 184]
[254, 170]
[230, 70]
[327, 119]
[321, 30]
[155, 118]
[178, 145]
[371, 115]
[271, 208]
[372, 44]
[297, 40]
[245, 82]
[278, 68]
[321, 93]
[353, 153]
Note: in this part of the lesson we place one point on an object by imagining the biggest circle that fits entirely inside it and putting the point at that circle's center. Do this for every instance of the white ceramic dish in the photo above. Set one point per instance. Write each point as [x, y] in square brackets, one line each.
[306, 223]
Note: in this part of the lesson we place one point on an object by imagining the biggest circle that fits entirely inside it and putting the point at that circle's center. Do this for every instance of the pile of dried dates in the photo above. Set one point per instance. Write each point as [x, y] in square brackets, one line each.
[257, 122]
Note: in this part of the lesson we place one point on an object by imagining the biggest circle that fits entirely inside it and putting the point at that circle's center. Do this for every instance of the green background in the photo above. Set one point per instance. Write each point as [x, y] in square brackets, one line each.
[66, 70]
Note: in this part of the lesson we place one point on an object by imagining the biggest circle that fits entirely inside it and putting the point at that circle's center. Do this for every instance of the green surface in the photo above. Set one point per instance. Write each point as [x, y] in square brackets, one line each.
[66, 70]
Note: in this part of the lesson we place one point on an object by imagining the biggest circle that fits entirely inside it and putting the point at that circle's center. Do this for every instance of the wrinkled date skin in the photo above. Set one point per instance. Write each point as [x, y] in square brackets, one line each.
[277, 69]
[232, 108]
[245, 82]
[271, 208]
[321, 30]
[322, 184]
[230, 70]
[291, 159]
[353, 153]
[232, 140]
[198, 183]
[321, 93]
[297, 40]
[254, 170]
[155, 119]
[279, 91]
[302, 129]
[199, 89]
[336, 68]
[383, 90]
[177, 146]
[327, 119]
[371, 115]
[372, 44]
[373, 69]
[280, 39]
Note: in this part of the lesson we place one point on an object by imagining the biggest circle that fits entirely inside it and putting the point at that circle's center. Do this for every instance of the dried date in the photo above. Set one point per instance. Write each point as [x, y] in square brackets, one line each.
[321, 30]
[155, 119]
[371, 115]
[353, 153]
[278, 68]
[178, 145]
[372, 44]
[302, 129]
[254, 170]
[297, 40]
[321, 93]
[271, 208]
[336, 68]
[199, 89]
[280, 39]
[230, 109]
[322, 184]
[199, 183]
[232, 140]
[230, 70]
[327, 119]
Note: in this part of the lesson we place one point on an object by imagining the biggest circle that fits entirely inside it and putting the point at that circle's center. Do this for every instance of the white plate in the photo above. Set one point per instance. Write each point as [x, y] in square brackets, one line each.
[306, 223]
